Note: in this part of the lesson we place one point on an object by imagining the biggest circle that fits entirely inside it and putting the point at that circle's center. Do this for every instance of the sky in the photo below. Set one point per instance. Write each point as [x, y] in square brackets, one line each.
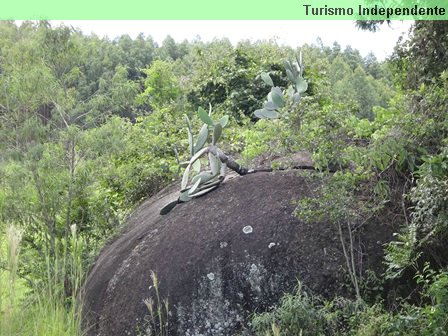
[292, 33]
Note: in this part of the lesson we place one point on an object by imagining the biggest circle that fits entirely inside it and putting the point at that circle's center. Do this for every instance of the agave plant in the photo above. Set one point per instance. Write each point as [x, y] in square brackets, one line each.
[279, 101]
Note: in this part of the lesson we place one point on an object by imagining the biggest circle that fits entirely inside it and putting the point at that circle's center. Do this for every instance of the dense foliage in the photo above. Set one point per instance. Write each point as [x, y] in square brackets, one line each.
[397, 157]
[90, 127]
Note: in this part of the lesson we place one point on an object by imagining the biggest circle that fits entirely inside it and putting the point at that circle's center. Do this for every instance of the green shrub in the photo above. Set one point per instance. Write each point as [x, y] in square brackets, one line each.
[298, 314]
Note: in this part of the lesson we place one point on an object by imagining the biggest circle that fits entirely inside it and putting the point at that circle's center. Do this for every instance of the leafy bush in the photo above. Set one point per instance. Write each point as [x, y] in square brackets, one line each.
[300, 313]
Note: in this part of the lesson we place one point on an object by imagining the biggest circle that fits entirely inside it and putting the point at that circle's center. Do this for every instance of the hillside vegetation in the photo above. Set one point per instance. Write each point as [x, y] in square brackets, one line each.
[89, 127]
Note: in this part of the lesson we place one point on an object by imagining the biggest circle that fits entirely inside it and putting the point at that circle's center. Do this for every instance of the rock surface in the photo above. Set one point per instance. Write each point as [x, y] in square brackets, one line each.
[219, 258]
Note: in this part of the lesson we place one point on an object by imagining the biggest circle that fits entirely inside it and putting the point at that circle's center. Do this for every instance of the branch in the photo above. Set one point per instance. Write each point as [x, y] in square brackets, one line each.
[21, 276]
[232, 164]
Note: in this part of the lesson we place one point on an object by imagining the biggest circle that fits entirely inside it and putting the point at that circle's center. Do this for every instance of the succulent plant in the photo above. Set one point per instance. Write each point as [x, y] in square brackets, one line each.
[279, 102]
[195, 181]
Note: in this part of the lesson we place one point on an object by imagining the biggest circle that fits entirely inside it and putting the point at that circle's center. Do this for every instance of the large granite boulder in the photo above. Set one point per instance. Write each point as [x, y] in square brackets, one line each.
[219, 258]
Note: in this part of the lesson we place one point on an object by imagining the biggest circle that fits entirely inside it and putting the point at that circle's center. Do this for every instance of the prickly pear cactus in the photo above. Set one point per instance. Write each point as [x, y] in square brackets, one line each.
[279, 102]
[196, 181]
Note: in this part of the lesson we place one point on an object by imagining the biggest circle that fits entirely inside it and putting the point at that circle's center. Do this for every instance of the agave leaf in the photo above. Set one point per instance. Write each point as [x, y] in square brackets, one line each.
[204, 191]
[202, 138]
[194, 187]
[196, 166]
[224, 120]
[266, 114]
[267, 79]
[215, 164]
[185, 177]
[277, 97]
[203, 115]
[167, 208]
[184, 197]
[217, 131]
[301, 85]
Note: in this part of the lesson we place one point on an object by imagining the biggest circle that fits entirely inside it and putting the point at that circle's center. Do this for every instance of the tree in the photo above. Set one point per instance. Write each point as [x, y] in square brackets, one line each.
[352, 57]
[423, 57]
[161, 85]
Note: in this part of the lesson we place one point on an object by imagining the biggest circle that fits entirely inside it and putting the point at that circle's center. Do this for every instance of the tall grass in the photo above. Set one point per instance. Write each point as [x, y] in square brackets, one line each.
[9, 286]
[157, 324]
[275, 331]
[51, 307]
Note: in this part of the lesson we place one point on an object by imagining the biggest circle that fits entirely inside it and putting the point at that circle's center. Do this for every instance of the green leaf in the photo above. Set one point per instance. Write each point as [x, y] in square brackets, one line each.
[301, 85]
[217, 131]
[267, 79]
[298, 70]
[222, 172]
[184, 197]
[211, 183]
[277, 97]
[215, 164]
[270, 106]
[184, 164]
[296, 98]
[290, 91]
[266, 114]
[185, 177]
[190, 135]
[287, 65]
[202, 138]
[224, 120]
[167, 208]
[203, 115]
[187, 120]
[197, 155]
[194, 187]
[203, 177]
[290, 76]
[196, 166]
[204, 191]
